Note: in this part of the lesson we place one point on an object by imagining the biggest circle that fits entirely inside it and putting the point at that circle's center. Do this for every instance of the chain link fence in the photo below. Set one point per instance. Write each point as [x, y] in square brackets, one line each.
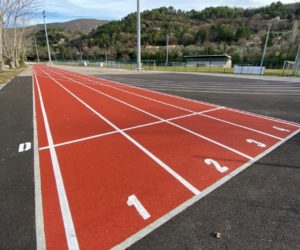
[153, 65]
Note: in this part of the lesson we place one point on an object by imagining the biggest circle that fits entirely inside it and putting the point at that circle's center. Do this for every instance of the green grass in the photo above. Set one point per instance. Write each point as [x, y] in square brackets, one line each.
[7, 75]
[221, 70]
[278, 72]
[190, 69]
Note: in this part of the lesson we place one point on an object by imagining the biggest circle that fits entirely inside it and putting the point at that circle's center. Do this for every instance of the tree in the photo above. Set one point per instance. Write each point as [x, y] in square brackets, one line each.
[14, 15]
[5, 7]
[187, 39]
[242, 32]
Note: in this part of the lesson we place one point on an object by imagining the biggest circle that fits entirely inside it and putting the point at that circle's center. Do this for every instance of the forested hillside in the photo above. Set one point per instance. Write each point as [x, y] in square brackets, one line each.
[238, 32]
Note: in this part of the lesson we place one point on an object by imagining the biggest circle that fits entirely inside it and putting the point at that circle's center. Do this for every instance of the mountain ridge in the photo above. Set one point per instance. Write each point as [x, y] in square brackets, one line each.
[83, 25]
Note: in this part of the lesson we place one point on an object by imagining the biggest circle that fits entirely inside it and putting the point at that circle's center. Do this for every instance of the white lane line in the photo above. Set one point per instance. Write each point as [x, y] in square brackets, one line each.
[116, 132]
[128, 86]
[39, 216]
[137, 144]
[164, 120]
[188, 110]
[85, 77]
[63, 200]
[168, 216]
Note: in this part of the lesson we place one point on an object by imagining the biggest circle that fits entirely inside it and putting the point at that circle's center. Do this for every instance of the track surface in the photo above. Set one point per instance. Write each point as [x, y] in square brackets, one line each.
[117, 161]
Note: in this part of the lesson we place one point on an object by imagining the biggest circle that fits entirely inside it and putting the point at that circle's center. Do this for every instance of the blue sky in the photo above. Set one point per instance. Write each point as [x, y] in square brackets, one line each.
[65, 10]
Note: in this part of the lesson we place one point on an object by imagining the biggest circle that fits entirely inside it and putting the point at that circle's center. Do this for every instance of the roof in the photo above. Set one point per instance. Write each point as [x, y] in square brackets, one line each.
[209, 56]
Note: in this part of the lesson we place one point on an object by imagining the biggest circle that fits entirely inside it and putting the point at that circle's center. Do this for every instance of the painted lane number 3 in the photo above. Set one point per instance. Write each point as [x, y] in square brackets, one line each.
[221, 169]
[133, 201]
[259, 144]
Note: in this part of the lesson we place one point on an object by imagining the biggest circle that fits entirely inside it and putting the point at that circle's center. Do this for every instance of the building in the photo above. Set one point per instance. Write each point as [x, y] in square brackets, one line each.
[209, 61]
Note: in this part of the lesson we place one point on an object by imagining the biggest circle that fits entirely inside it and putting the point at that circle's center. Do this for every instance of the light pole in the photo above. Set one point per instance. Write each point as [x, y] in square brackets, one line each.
[266, 43]
[138, 53]
[46, 34]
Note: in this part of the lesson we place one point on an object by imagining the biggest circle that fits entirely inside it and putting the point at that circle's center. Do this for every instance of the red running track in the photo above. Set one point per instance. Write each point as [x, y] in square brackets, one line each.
[117, 161]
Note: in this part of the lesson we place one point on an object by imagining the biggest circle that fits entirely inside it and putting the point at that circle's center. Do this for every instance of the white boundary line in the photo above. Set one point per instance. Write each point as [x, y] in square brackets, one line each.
[297, 125]
[175, 106]
[182, 98]
[137, 144]
[154, 225]
[63, 200]
[39, 216]
[166, 121]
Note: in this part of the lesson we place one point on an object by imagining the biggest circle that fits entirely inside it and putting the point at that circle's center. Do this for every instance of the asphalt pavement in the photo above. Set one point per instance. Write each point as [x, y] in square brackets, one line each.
[17, 211]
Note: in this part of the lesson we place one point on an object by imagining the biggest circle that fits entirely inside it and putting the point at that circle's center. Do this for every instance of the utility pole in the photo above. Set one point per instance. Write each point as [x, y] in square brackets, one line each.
[167, 56]
[37, 51]
[266, 43]
[138, 54]
[46, 34]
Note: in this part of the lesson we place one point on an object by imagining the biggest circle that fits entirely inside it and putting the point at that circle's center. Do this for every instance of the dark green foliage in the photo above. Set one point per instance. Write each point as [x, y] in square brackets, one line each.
[210, 31]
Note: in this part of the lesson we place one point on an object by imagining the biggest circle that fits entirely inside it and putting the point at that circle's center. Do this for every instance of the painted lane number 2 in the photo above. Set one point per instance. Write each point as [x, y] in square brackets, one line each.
[133, 201]
[221, 169]
[259, 144]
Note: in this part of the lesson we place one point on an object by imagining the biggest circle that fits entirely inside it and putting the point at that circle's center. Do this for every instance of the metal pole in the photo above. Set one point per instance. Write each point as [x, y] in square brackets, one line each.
[265, 48]
[46, 33]
[37, 51]
[297, 61]
[167, 56]
[138, 55]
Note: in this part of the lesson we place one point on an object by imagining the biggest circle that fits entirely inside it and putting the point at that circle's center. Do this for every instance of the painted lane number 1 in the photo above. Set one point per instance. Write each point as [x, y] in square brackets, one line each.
[221, 169]
[133, 201]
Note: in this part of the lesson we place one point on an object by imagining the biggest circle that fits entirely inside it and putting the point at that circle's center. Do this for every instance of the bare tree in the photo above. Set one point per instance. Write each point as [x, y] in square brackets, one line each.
[5, 7]
[17, 14]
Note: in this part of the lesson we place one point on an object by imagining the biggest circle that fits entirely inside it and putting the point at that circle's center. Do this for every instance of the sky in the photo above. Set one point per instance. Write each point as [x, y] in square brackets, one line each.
[65, 10]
